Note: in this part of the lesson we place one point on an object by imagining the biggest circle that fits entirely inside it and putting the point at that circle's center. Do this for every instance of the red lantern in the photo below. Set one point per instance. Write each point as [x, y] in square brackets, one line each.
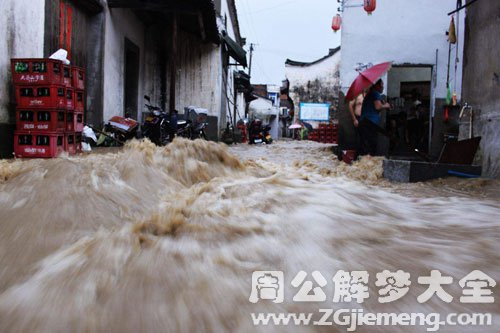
[336, 22]
[369, 6]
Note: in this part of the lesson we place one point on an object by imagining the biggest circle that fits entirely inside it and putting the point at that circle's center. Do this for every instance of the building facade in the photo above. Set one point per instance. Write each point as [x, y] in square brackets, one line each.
[180, 54]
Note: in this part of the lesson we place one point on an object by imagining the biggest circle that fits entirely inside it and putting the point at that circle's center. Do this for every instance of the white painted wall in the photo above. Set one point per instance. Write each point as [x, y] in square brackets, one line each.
[229, 89]
[401, 31]
[325, 71]
[22, 31]
[120, 23]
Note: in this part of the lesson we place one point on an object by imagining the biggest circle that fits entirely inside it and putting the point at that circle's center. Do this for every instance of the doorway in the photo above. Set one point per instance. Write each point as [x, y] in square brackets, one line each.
[131, 82]
[409, 91]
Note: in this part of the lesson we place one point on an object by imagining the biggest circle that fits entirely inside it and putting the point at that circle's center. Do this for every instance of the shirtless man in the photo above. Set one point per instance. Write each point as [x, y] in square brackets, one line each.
[355, 108]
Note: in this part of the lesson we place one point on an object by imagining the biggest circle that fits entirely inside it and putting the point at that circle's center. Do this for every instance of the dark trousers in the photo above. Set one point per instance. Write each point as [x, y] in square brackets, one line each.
[368, 136]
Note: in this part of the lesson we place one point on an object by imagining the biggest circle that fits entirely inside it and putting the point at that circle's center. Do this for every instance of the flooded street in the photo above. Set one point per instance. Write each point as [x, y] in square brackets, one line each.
[149, 239]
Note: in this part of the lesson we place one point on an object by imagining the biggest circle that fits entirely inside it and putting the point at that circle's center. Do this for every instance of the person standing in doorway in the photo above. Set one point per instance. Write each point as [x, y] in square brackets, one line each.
[370, 118]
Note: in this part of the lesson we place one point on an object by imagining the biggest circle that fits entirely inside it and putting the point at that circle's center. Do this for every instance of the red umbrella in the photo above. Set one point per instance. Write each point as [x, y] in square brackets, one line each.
[366, 79]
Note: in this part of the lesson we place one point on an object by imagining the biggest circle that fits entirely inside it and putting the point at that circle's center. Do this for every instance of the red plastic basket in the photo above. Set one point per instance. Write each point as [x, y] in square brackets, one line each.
[70, 99]
[79, 100]
[51, 120]
[31, 71]
[38, 144]
[67, 79]
[74, 121]
[78, 77]
[41, 97]
[73, 142]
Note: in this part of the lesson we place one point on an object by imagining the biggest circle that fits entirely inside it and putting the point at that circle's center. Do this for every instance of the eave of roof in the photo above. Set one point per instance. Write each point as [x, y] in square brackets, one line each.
[234, 17]
[332, 52]
[190, 9]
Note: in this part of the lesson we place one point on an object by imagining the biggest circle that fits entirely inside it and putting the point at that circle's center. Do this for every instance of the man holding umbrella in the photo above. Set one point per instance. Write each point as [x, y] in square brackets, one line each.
[372, 105]
[370, 116]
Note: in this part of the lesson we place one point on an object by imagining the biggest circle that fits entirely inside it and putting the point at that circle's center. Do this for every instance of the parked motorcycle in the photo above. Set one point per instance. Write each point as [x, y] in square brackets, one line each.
[160, 127]
[259, 133]
[198, 117]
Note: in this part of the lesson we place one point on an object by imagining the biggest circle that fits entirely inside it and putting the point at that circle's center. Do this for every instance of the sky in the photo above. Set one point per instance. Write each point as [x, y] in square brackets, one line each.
[299, 30]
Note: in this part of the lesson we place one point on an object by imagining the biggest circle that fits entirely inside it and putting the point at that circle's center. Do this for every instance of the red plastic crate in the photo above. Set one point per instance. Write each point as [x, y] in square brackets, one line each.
[41, 97]
[67, 79]
[38, 144]
[74, 121]
[70, 99]
[73, 142]
[36, 71]
[78, 77]
[79, 100]
[51, 120]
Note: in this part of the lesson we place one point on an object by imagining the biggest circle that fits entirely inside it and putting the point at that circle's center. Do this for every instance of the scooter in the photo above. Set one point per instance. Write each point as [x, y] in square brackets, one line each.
[198, 116]
[259, 133]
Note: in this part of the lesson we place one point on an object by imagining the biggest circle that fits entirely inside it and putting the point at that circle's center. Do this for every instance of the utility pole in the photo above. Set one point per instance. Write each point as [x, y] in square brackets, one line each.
[251, 55]
[250, 75]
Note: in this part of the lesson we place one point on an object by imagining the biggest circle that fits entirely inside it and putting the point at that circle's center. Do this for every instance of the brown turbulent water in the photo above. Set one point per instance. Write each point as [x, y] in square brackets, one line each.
[150, 239]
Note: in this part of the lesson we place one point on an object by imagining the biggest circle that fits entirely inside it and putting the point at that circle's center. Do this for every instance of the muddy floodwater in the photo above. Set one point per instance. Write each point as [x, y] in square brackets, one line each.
[148, 239]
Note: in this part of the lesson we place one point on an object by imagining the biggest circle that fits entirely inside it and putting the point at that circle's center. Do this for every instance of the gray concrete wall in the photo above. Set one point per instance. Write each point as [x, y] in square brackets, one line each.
[121, 24]
[199, 74]
[481, 84]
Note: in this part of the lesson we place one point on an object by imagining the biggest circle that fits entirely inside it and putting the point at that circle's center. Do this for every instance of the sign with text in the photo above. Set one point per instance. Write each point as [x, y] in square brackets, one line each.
[315, 111]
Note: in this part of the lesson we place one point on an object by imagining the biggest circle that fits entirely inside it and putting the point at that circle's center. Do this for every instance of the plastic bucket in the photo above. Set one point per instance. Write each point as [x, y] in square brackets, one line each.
[348, 156]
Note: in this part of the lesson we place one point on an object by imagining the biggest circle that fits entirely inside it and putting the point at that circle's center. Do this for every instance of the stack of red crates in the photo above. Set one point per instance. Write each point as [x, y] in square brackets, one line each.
[325, 133]
[50, 106]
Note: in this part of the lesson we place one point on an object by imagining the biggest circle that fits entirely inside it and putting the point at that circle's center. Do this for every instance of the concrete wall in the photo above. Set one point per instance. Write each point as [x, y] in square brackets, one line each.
[237, 102]
[120, 24]
[21, 36]
[406, 32]
[481, 85]
[199, 74]
[315, 83]
[21, 28]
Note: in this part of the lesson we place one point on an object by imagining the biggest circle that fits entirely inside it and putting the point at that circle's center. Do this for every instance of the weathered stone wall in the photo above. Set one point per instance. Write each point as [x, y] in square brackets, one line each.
[317, 82]
[481, 84]
[21, 31]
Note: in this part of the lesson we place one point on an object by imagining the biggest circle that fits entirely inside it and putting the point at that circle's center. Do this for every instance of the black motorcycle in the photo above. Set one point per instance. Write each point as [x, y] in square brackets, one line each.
[161, 128]
[198, 117]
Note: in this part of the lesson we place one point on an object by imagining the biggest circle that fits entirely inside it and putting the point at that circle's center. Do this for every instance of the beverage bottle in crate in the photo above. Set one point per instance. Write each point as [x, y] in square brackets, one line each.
[21, 67]
[39, 67]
